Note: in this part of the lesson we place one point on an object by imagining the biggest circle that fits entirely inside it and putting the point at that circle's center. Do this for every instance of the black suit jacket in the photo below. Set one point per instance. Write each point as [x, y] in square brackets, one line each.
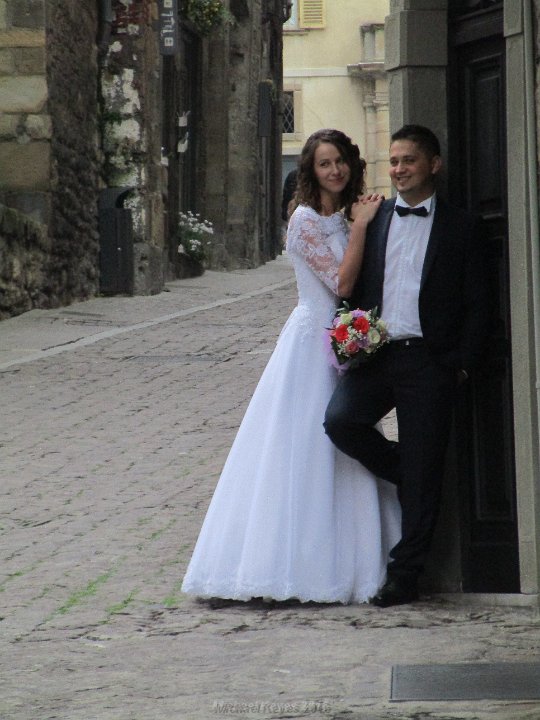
[453, 301]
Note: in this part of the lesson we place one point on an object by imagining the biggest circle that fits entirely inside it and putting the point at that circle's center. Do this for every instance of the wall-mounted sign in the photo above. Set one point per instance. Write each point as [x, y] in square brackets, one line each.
[168, 27]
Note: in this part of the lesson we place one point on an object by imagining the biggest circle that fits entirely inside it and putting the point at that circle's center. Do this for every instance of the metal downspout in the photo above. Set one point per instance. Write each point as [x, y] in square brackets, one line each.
[104, 29]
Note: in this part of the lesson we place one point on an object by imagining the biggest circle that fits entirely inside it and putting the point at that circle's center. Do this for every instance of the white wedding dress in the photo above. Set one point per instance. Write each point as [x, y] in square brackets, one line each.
[291, 516]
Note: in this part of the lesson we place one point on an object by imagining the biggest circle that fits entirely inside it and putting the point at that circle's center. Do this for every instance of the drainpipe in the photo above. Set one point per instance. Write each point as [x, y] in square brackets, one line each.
[104, 29]
[530, 116]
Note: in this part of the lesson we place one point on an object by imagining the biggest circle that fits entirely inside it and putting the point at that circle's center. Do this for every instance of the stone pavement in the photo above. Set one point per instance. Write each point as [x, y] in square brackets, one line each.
[117, 414]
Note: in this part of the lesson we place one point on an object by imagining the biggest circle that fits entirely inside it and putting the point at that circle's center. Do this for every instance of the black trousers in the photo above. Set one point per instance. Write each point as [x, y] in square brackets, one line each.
[408, 378]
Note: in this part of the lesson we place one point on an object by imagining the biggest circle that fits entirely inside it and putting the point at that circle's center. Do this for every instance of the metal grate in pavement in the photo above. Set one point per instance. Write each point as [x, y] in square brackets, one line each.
[466, 681]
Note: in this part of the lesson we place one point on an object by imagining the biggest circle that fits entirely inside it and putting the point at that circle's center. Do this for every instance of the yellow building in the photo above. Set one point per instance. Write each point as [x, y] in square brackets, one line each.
[333, 76]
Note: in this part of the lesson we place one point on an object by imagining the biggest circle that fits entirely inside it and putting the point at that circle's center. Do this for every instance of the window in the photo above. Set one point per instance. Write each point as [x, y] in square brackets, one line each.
[288, 112]
[292, 22]
[292, 111]
[306, 15]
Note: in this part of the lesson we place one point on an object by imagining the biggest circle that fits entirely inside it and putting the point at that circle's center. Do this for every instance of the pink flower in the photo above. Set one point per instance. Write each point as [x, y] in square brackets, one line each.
[352, 347]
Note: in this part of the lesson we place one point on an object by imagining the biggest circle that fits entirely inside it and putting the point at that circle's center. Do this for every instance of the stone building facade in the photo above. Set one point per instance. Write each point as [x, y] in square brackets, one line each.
[242, 117]
[131, 105]
[49, 165]
[107, 133]
[337, 84]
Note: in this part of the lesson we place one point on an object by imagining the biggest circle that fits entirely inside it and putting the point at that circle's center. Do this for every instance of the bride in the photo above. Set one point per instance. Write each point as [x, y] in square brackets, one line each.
[291, 516]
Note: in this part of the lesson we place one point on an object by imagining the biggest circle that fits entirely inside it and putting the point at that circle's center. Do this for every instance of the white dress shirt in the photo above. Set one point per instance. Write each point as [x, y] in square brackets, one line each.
[405, 252]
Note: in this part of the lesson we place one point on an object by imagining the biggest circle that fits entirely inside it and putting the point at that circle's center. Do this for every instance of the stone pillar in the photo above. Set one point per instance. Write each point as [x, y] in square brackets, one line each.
[131, 127]
[216, 123]
[523, 142]
[416, 60]
[243, 185]
[245, 62]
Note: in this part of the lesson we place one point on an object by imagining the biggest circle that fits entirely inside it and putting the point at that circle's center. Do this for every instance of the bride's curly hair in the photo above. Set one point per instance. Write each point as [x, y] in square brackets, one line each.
[307, 186]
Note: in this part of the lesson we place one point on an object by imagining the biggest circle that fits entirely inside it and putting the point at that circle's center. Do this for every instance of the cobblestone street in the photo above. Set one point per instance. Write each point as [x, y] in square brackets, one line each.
[117, 417]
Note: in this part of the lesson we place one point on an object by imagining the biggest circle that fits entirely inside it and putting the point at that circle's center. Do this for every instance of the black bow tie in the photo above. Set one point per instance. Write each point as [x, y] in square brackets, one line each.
[402, 210]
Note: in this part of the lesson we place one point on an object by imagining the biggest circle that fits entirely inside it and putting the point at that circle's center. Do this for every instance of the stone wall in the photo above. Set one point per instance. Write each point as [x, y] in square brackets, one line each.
[73, 124]
[231, 181]
[72, 79]
[48, 150]
[24, 249]
[25, 124]
[244, 192]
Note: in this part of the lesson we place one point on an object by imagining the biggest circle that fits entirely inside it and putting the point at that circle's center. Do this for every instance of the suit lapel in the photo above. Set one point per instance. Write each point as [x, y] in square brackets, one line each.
[385, 214]
[437, 232]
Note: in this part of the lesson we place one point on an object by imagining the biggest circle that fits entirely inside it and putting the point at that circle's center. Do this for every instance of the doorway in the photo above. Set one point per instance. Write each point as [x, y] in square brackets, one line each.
[477, 181]
[180, 133]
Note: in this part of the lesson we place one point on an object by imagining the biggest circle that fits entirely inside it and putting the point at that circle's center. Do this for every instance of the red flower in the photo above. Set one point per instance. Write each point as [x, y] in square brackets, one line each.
[341, 333]
[361, 324]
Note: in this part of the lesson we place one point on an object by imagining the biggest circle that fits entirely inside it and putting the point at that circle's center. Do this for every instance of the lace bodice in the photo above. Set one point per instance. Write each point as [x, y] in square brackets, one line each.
[316, 244]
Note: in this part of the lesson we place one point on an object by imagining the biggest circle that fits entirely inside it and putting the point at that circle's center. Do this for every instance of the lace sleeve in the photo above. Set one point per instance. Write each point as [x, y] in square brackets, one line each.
[306, 238]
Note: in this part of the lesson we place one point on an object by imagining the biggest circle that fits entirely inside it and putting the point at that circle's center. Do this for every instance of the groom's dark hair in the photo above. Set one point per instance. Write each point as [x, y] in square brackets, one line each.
[422, 136]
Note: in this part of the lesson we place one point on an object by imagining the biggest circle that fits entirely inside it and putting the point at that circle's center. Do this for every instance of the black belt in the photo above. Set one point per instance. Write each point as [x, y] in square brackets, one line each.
[407, 342]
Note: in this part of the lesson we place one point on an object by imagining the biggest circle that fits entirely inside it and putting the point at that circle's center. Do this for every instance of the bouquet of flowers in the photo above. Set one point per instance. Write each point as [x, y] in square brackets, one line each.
[354, 336]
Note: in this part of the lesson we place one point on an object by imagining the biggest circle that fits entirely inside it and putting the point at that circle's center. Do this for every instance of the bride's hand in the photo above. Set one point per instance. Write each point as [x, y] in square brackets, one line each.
[365, 208]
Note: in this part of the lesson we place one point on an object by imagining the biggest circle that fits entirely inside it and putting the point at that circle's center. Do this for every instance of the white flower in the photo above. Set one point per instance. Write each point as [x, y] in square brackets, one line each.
[192, 234]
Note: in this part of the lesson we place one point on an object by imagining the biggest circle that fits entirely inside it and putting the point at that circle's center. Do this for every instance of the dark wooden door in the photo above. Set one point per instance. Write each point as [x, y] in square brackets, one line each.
[169, 124]
[484, 418]
[180, 130]
[189, 117]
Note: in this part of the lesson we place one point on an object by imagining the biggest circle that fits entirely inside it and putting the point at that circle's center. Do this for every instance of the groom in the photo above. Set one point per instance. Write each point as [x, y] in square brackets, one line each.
[424, 270]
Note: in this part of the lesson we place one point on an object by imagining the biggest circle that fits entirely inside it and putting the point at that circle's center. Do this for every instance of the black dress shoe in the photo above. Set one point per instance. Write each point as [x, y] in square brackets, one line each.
[394, 592]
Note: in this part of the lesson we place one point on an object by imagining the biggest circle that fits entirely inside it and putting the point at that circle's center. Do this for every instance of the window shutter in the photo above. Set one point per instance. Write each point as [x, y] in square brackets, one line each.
[312, 13]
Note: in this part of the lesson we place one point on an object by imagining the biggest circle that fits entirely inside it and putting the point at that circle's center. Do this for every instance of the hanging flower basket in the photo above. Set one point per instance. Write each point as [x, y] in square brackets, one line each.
[207, 15]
